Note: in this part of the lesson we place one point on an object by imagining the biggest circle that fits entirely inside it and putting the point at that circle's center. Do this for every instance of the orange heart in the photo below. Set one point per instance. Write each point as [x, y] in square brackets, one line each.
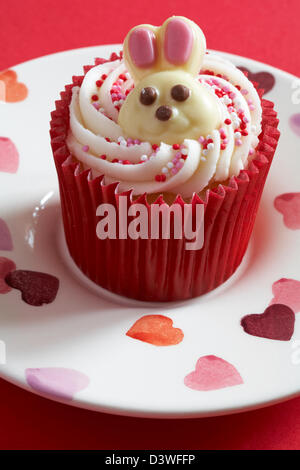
[157, 330]
[11, 90]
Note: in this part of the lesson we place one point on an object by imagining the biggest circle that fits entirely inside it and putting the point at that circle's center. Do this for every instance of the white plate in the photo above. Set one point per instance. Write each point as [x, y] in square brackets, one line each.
[85, 329]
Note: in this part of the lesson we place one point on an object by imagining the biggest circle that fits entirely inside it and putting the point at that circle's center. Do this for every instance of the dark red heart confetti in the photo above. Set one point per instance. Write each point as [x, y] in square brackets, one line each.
[265, 80]
[37, 288]
[277, 322]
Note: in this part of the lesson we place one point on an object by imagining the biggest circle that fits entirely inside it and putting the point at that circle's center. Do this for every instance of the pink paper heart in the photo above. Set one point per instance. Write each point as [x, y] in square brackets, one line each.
[287, 292]
[212, 373]
[6, 243]
[265, 80]
[288, 205]
[295, 123]
[9, 156]
[6, 266]
[57, 381]
[277, 322]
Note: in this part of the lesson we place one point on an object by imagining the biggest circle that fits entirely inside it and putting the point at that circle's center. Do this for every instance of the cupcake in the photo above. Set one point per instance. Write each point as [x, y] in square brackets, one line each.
[163, 128]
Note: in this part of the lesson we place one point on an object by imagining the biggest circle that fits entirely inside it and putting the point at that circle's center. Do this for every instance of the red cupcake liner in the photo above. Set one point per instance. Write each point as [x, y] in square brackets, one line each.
[159, 270]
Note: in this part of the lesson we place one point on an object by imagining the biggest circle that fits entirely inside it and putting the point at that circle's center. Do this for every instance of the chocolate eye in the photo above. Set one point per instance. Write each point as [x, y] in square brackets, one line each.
[180, 92]
[148, 95]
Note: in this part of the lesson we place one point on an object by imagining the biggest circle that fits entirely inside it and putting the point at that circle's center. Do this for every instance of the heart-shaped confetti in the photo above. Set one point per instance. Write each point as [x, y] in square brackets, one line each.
[265, 80]
[6, 266]
[12, 91]
[288, 205]
[277, 322]
[157, 330]
[57, 381]
[9, 156]
[212, 373]
[6, 243]
[37, 288]
[295, 123]
[287, 292]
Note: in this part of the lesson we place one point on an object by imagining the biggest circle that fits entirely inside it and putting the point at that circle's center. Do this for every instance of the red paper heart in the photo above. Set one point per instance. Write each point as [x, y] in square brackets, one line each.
[6, 266]
[11, 90]
[288, 205]
[9, 156]
[287, 292]
[212, 373]
[157, 330]
[37, 288]
[265, 80]
[277, 322]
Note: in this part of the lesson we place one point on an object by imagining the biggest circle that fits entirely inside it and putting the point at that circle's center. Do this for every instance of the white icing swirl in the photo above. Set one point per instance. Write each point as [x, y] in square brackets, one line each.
[97, 141]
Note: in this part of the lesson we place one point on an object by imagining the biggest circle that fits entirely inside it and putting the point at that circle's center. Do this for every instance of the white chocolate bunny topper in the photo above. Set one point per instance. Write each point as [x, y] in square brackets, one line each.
[168, 103]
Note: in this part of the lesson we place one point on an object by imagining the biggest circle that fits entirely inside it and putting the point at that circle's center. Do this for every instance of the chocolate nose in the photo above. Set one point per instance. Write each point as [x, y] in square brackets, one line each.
[163, 113]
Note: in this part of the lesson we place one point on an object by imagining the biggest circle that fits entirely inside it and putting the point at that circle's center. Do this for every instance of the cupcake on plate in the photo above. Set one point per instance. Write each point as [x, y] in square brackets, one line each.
[165, 126]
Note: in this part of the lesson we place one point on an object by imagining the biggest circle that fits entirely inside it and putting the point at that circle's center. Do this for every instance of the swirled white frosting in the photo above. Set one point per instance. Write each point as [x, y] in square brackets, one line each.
[98, 142]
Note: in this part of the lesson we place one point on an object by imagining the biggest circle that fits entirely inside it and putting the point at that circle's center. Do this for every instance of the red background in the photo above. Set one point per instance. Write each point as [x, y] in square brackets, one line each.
[267, 31]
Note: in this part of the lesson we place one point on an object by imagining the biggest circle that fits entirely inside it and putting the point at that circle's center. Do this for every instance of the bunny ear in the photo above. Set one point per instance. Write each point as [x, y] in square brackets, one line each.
[141, 51]
[183, 45]
[179, 40]
[142, 47]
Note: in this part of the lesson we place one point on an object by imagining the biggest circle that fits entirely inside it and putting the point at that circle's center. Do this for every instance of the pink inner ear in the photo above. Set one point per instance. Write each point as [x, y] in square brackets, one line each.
[142, 47]
[178, 42]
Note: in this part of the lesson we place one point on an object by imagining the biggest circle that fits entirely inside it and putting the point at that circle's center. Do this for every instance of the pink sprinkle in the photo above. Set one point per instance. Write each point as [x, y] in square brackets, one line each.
[137, 141]
[251, 107]
[251, 151]
[178, 155]
[174, 171]
[244, 92]
[96, 106]
[232, 95]
[179, 165]
[225, 141]
[201, 140]
[238, 142]
[85, 148]
[250, 102]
